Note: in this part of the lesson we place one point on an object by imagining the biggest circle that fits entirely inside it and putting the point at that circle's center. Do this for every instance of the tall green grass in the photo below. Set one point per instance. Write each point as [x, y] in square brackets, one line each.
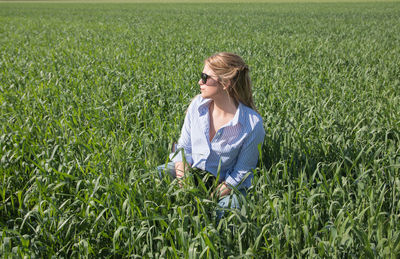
[93, 95]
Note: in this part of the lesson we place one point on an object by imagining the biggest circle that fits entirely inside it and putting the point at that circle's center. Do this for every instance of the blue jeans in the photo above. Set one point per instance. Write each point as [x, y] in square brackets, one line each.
[228, 202]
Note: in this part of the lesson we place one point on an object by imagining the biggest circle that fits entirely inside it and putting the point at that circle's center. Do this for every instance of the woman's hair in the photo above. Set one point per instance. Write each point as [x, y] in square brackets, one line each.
[233, 73]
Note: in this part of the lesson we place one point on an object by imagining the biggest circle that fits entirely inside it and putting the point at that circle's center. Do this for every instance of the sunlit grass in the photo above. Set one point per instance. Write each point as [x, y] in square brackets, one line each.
[93, 96]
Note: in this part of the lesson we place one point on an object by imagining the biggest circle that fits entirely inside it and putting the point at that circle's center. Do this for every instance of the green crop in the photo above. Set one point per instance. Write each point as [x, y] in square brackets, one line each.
[93, 95]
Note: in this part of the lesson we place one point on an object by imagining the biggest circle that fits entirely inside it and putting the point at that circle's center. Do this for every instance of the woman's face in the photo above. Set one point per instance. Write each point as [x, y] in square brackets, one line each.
[211, 87]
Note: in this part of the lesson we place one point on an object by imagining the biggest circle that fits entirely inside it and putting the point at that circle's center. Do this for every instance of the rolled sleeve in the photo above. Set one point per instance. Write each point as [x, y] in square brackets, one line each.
[247, 159]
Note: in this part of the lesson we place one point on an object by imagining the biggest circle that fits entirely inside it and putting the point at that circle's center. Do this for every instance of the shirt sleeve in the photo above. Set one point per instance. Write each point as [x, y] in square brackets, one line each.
[184, 146]
[247, 158]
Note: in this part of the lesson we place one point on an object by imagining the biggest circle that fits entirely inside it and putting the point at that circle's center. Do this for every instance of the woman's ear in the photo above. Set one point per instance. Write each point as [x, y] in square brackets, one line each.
[226, 86]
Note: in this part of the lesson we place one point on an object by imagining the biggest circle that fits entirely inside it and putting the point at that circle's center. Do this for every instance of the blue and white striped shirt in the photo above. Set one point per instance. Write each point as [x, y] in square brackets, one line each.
[235, 144]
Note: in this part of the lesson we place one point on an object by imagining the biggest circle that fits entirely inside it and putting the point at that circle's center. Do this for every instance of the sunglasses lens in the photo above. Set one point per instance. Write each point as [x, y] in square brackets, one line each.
[204, 78]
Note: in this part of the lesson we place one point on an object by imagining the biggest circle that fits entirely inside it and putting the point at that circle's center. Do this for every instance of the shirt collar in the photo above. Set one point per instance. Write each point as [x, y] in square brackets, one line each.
[203, 106]
[238, 118]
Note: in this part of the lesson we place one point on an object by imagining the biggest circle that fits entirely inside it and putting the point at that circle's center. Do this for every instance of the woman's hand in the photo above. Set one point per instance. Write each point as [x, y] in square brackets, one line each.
[221, 190]
[180, 168]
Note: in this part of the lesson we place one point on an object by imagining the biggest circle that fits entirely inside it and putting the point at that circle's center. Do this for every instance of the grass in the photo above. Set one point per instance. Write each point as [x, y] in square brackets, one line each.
[92, 96]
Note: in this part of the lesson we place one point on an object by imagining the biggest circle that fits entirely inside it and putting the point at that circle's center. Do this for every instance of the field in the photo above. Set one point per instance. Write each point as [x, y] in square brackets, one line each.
[93, 95]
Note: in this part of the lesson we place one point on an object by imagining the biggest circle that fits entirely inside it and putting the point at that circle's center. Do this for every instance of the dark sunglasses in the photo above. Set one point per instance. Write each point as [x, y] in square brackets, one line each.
[204, 77]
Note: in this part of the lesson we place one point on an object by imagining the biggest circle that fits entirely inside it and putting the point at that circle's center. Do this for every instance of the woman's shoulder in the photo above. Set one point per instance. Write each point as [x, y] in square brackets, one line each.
[251, 118]
[197, 101]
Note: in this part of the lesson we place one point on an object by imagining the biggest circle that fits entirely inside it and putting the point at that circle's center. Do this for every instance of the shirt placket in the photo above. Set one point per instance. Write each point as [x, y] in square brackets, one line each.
[204, 123]
[218, 135]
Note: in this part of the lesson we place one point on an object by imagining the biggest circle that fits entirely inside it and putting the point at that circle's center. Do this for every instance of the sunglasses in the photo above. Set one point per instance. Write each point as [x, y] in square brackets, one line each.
[204, 78]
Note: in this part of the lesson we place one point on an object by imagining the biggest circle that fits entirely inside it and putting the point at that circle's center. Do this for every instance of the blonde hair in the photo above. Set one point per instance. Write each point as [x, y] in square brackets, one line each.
[233, 73]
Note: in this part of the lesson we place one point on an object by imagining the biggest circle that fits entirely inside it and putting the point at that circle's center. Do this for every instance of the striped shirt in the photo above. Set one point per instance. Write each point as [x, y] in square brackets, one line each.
[235, 145]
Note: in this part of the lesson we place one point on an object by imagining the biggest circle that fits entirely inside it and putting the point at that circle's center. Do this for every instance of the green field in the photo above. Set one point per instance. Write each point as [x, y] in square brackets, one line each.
[93, 95]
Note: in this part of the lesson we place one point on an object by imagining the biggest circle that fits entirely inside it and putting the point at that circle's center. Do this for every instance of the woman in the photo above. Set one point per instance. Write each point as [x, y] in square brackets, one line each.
[222, 126]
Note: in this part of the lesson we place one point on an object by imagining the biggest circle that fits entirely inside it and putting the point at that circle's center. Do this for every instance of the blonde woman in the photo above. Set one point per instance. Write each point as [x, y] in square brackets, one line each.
[222, 126]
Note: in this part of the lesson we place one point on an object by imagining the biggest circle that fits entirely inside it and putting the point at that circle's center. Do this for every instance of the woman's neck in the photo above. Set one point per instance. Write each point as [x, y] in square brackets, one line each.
[224, 106]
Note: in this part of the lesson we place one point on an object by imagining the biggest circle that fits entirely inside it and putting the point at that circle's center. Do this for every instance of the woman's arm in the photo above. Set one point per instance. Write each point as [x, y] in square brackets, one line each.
[247, 157]
[247, 161]
[184, 144]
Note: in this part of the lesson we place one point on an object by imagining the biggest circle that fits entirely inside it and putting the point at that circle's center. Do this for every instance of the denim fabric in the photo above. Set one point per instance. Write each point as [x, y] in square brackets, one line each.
[169, 168]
